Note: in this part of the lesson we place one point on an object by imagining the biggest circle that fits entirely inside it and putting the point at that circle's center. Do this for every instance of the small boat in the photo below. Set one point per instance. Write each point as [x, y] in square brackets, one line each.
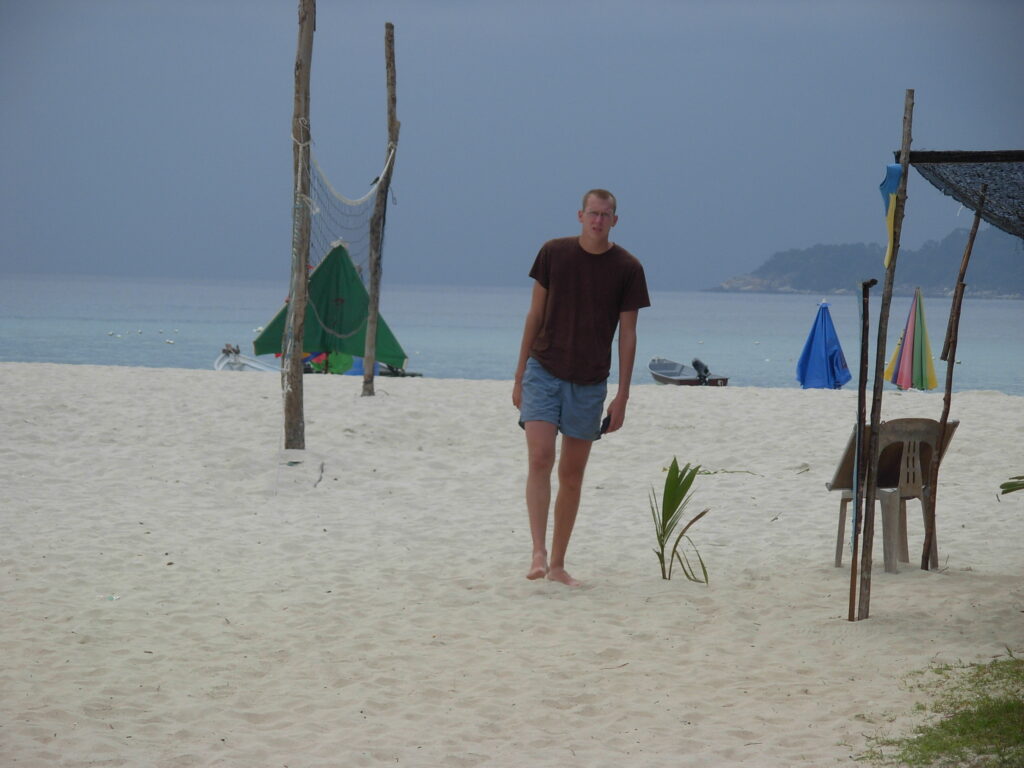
[667, 371]
[231, 359]
[390, 370]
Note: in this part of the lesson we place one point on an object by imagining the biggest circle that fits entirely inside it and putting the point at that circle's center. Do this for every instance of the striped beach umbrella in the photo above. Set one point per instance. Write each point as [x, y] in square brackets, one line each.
[911, 365]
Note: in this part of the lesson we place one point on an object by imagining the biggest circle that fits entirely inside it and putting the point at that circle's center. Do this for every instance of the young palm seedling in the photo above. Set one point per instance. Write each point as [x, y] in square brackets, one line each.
[667, 517]
[1013, 484]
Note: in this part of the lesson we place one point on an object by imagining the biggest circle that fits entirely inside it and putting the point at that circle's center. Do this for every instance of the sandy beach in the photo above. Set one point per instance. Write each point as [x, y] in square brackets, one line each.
[180, 591]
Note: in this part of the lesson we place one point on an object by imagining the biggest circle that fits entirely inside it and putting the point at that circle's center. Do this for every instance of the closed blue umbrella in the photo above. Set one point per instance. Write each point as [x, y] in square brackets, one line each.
[822, 364]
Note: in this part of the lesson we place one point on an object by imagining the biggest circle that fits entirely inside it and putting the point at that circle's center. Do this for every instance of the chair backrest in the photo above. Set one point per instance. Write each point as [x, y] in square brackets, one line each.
[905, 449]
[842, 480]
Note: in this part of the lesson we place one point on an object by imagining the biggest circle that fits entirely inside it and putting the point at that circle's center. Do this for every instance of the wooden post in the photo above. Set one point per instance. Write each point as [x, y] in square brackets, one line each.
[379, 214]
[291, 370]
[929, 553]
[876, 397]
[858, 462]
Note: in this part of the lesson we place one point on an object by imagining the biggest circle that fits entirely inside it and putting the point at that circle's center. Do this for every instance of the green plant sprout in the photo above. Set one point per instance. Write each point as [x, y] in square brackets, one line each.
[667, 517]
[1013, 484]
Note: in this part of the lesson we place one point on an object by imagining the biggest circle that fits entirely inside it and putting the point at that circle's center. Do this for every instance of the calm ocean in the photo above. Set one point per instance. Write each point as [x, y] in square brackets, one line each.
[474, 333]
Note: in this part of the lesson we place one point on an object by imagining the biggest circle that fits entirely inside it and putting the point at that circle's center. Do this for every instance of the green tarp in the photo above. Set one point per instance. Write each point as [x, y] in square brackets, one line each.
[335, 316]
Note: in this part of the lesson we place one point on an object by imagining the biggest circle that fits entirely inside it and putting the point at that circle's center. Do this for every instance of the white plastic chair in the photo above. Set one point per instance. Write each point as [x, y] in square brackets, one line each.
[905, 450]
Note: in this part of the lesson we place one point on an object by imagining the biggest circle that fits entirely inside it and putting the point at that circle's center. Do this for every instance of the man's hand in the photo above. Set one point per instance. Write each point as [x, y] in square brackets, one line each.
[617, 412]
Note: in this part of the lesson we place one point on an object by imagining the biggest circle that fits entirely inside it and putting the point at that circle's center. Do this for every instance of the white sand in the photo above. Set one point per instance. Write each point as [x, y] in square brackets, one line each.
[176, 594]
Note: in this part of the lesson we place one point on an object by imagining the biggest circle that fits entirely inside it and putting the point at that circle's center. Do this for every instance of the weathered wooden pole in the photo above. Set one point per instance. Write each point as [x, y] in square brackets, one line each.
[377, 220]
[859, 447]
[930, 550]
[291, 370]
[876, 398]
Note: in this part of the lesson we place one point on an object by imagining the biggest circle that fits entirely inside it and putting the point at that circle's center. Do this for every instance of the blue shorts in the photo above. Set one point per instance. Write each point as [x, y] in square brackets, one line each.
[574, 408]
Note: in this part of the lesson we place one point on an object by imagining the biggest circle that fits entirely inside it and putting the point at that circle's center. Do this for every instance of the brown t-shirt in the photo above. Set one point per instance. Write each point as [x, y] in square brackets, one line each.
[586, 293]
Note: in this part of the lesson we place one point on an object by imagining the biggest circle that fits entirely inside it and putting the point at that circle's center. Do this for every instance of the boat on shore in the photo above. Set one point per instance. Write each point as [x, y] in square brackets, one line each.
[232, 359]
[665, 371]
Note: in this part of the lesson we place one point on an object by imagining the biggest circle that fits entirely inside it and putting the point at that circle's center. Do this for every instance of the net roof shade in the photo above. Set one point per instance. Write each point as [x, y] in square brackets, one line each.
[962, 174]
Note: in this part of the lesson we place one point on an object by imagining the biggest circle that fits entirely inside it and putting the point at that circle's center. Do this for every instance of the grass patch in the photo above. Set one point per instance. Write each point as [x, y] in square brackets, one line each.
[977, 720]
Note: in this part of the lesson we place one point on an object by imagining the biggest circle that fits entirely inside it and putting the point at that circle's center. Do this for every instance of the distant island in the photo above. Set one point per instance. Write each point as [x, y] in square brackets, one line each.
[996, 268]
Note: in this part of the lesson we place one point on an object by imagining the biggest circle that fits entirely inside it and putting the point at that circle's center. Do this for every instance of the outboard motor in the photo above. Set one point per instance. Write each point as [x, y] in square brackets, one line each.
[702, 371]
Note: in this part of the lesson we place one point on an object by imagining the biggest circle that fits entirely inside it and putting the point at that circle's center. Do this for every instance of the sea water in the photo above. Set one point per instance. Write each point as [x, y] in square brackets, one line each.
[474, 332]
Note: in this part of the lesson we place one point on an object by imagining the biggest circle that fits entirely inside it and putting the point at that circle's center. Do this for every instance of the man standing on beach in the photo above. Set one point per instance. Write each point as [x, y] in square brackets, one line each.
[583, 288]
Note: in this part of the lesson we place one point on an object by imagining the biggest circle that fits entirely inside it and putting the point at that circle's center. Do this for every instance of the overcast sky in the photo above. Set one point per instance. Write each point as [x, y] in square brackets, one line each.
[145, 137]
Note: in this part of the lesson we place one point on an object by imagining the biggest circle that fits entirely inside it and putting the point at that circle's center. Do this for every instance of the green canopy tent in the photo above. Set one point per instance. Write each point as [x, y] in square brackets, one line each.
[336, 316]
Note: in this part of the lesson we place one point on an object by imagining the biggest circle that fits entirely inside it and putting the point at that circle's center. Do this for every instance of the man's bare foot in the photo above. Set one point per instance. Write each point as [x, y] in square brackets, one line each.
[562, 576]
[539, 566]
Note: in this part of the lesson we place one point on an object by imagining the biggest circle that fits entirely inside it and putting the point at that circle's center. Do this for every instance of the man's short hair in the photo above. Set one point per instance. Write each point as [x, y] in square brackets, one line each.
[604, 194]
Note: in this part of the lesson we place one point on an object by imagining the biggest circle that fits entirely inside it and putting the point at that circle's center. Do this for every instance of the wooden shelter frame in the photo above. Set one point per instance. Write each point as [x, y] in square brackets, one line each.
[1008, 199]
